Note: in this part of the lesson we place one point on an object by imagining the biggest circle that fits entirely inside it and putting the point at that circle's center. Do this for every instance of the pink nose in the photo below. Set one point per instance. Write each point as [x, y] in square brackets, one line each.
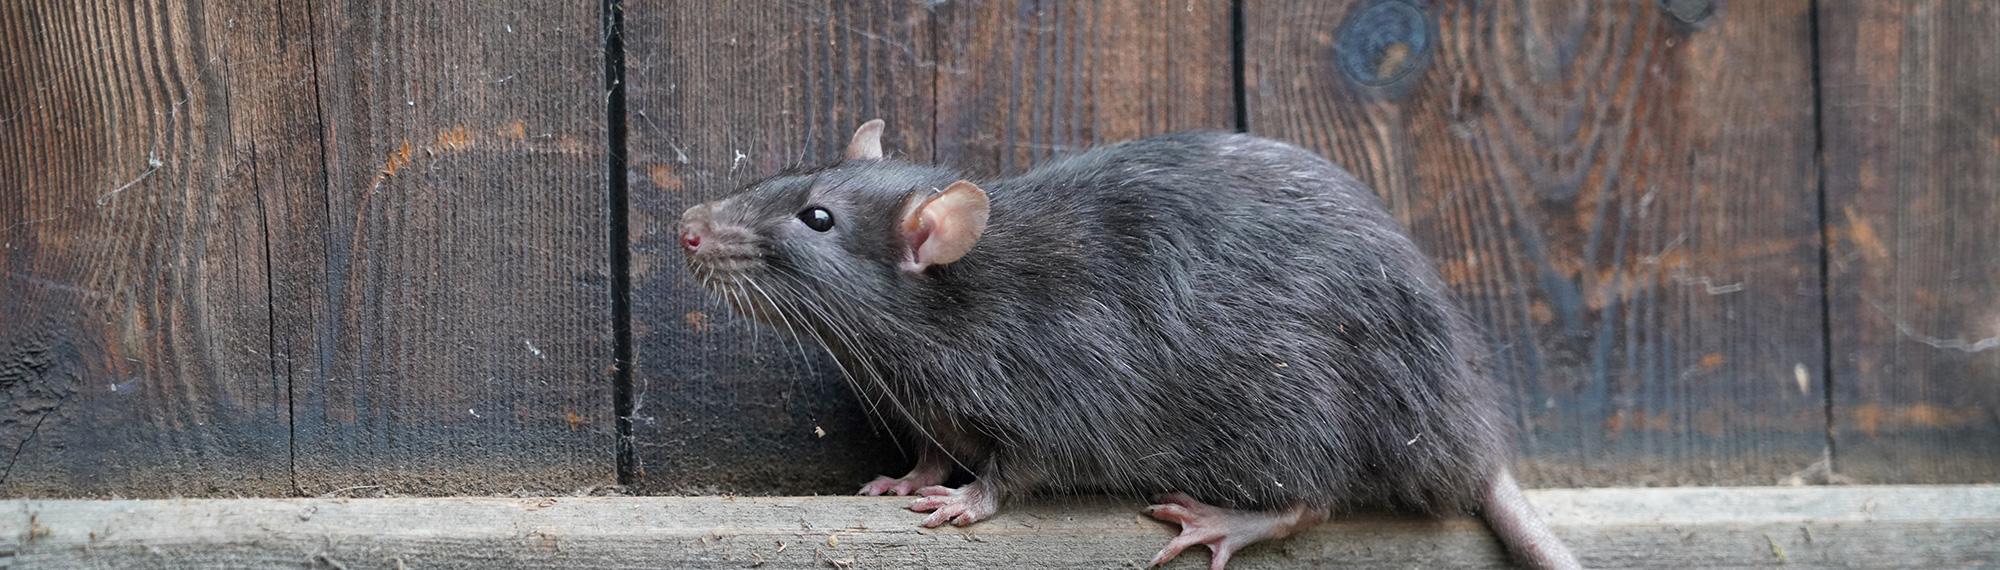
[690, 240]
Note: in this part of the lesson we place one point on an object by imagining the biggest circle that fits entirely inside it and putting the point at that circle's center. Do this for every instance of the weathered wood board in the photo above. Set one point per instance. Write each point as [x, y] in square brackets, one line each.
[1022, 82]
[720, 95]
[1912, 103]
[1837, 527]
[443, 310]
[140, 144]
[1623, 193]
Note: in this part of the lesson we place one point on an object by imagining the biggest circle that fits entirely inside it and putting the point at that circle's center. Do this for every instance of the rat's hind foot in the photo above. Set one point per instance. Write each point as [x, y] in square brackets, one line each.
[1224, 531]
[961, 506]
[922, 476]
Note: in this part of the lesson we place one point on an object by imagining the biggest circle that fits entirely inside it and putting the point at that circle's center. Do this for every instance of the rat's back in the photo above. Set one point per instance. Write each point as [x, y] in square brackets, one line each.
[1232, 317]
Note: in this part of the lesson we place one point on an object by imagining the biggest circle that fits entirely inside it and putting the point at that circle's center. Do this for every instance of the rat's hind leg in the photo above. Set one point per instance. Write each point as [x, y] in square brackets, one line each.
[932, 467]
[1224, 531]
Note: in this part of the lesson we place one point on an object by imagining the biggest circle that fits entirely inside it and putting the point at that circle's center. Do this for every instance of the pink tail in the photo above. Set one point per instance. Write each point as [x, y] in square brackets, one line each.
[1520, 530]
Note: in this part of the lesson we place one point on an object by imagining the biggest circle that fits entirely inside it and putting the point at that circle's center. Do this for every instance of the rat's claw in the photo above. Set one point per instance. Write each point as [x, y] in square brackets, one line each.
[960, 507]
[1223, 531]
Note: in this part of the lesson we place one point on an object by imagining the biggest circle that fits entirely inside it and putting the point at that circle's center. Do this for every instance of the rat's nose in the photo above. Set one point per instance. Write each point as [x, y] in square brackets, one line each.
[694, 223]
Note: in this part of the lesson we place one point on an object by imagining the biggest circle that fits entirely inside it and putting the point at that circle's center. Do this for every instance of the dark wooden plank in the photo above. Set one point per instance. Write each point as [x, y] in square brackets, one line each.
[718, 95]
[1022, 81]
[136, 142]
[445, 306]
[1913, 192]
[1818, 527]
[1622, 192]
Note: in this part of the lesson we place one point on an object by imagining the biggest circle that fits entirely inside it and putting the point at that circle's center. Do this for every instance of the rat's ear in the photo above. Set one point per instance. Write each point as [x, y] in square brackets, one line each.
[867, 142]
[939, 228]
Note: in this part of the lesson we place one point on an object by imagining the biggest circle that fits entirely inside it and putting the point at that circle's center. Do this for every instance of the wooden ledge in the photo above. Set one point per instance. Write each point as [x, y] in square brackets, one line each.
[1802, 527]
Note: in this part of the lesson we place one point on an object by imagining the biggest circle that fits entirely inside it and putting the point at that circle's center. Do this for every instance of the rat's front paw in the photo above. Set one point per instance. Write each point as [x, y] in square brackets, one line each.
[930, 471]
[961, 506]
[899, 486]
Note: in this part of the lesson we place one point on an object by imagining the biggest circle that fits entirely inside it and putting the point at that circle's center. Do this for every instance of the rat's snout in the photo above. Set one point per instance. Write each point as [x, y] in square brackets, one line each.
[694, 227]
[715, 243]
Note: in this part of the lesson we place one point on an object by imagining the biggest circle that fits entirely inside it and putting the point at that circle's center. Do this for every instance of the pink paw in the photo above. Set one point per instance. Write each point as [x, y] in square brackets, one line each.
[961, 506]
[884, 485]
[926, 473]
[1223, 531]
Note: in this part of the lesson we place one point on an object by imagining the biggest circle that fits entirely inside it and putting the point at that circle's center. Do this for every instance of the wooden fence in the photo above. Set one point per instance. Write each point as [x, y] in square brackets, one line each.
[257, 248]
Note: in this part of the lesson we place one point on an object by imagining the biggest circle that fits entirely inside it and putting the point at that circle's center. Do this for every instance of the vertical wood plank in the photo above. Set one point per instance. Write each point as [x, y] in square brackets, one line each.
[1913, 195]
[138, 142]
[1622, 192]
[445, 316]
[1023, 81]
[720, 94]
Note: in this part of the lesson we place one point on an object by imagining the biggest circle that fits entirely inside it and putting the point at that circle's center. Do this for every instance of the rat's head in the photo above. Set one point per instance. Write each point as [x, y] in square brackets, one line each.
[842, 233]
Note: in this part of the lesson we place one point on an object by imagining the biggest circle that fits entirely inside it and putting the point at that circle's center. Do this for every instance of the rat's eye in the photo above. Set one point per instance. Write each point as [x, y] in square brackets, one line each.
[817, 218]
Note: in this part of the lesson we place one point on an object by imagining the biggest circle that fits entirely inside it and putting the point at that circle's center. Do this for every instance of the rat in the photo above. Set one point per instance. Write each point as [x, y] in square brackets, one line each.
[1230, 325]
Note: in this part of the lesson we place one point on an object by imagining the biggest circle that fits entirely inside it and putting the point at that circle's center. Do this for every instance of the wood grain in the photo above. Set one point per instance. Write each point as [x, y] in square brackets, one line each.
[444, 308]
[1621, 192]
[1023, 81]
[1913, 192]
[138, 142]
[1828, 527]
[719, 95]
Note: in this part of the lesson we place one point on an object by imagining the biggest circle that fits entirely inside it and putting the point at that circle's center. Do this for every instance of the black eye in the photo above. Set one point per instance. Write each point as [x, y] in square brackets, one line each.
[817, 218]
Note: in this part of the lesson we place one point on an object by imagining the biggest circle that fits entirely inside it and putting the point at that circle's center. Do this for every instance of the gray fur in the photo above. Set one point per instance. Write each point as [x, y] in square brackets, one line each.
[1212, 313]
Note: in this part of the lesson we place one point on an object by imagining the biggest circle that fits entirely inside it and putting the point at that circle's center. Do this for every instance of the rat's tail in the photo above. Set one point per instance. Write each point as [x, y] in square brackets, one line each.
[1520, 530]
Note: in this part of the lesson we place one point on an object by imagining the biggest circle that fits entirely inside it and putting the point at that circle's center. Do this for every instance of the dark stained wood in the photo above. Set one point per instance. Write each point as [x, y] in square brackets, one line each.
[443, 310]
[1913, 194]
[718, 95]
[137, 144]
[1023, 81]
[1623, 193]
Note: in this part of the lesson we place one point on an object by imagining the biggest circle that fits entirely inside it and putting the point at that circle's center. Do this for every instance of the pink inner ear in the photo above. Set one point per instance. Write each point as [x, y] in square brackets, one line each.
[914, 238]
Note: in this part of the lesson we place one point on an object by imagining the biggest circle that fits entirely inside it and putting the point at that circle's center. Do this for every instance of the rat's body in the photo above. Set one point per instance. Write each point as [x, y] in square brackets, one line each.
[1224, 319]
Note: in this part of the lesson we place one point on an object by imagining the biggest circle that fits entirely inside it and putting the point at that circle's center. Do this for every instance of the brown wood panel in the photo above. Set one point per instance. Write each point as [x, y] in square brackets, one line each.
[719, 95]
[444, 308]
[138, 141]
[1022, 81]
[1913, 198]
[1622, 192]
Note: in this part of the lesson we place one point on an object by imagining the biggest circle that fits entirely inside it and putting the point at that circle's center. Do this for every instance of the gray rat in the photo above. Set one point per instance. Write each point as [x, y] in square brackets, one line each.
[1228, 324]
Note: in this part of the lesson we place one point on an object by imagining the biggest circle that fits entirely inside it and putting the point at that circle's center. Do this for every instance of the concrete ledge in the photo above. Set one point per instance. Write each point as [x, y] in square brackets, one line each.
[1804, 527]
